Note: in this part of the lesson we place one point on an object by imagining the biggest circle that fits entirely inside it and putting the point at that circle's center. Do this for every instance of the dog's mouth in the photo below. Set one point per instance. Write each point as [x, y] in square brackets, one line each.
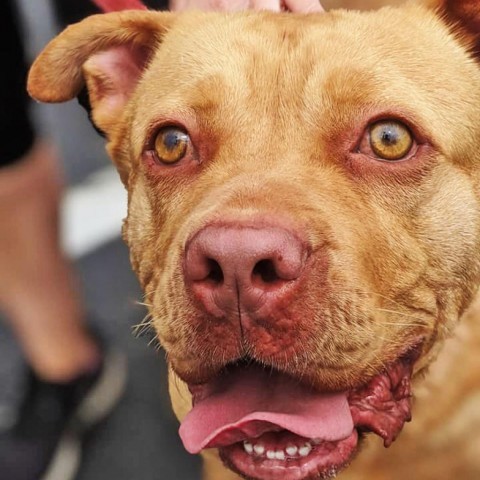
[267, 425]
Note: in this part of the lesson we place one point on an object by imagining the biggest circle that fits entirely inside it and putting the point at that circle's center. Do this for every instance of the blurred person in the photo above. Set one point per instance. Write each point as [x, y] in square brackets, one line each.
[73, 380]
[68, 366]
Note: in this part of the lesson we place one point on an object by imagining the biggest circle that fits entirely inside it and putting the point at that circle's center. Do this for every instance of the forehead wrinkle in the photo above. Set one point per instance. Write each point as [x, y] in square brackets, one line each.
[277, 62]
[207, 94]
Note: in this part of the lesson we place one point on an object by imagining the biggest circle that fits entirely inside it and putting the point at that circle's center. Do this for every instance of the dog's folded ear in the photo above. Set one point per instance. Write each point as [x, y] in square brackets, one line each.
[464, 17]
[107, 53]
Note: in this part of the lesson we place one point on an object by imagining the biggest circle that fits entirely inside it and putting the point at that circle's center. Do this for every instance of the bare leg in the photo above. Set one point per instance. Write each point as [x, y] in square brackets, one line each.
[37, 288]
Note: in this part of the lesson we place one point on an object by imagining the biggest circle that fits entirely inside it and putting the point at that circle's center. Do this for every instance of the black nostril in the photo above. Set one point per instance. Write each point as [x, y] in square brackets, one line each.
[215, 273]
[266, 271]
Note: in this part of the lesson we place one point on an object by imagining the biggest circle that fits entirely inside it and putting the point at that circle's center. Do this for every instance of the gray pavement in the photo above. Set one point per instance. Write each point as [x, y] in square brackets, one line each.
[139, 441]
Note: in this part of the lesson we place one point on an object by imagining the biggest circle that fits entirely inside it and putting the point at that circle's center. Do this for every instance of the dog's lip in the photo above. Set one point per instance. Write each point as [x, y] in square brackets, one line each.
[383, 405]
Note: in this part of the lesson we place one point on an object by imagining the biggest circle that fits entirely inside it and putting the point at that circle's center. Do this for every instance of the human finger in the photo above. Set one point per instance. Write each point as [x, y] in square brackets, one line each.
[305, 6]
[273, 5]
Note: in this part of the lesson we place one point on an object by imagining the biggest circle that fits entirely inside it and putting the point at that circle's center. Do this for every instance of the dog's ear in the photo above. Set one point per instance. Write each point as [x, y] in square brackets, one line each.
[463, 16]
[106, 53]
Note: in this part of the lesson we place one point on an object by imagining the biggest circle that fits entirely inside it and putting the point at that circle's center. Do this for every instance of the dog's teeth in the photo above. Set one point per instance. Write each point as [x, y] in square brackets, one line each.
[305, 450]
[259, 449]
[291, 450]
[271, 454]
[280, 455]
[316, 441]
[248, 447]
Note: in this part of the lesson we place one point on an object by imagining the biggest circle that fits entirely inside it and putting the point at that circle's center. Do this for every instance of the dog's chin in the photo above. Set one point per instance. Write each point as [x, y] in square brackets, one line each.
[323, 461]
[268, 425]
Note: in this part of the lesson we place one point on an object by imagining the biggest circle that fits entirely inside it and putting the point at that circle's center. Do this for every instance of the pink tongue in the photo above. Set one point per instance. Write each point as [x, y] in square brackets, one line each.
[251, 401]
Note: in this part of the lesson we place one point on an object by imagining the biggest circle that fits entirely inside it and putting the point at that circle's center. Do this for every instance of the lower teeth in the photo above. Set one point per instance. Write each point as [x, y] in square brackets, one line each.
[292, 451]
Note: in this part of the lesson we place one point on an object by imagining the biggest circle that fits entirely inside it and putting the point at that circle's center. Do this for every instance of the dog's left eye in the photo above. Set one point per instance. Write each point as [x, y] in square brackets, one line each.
[171, 144]
[389, 140]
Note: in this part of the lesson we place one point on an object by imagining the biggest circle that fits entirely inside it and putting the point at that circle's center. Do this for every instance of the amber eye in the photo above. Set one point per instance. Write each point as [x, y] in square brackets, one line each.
[390, 140]
[171, 144]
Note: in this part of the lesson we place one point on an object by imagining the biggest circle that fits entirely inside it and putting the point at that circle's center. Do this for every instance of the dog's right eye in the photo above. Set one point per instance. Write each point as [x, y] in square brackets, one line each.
[171, 144]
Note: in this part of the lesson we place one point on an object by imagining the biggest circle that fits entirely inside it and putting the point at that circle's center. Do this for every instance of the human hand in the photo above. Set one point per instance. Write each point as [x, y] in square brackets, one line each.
[305, 6]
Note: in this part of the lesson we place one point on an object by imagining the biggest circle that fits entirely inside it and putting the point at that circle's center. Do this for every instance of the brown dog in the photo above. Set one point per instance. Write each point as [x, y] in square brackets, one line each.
[304, 218]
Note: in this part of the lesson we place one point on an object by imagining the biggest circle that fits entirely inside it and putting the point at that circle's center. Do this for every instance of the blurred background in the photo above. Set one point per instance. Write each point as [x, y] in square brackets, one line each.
[139, 441]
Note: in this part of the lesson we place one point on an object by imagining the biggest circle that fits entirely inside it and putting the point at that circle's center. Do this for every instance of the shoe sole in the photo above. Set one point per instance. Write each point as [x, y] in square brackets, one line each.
[96, 406]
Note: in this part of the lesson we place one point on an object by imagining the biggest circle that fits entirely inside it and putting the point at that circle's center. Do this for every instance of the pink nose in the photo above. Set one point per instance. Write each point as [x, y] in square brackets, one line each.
[233, 267]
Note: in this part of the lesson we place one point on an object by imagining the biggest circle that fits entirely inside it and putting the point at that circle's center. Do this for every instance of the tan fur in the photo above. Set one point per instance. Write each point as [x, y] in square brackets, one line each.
[276, 142]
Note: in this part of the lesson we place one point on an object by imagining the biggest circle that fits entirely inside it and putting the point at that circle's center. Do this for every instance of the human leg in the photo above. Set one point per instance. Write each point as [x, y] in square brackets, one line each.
[38, 293]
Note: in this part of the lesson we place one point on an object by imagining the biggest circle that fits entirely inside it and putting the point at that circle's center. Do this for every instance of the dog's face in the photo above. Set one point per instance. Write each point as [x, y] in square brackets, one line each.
[303, 211]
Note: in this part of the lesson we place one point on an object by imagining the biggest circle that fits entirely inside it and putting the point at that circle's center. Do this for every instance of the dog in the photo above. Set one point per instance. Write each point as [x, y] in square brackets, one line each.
[304, 219]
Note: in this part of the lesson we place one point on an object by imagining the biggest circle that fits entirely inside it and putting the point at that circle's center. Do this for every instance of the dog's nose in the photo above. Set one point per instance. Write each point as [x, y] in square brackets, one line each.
[232, 268]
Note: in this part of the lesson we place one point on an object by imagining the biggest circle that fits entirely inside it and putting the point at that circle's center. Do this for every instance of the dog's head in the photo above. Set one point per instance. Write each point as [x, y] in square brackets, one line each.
[303, 209]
